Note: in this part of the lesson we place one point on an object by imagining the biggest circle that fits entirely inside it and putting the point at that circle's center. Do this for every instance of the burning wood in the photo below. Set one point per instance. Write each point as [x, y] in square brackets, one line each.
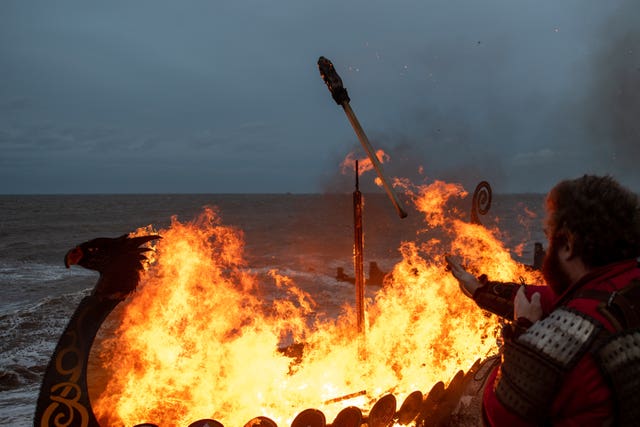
[346, 397]
[180, 353]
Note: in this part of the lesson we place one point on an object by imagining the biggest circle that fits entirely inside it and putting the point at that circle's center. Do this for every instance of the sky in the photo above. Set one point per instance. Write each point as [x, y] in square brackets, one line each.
[158, 96]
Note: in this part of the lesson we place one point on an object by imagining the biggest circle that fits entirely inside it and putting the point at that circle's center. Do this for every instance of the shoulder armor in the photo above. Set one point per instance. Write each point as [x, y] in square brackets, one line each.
[562, 337]
[619, 361]
[534, 364]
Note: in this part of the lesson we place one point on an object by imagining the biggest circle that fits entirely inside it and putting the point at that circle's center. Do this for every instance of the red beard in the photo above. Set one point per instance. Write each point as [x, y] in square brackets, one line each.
[553, 272]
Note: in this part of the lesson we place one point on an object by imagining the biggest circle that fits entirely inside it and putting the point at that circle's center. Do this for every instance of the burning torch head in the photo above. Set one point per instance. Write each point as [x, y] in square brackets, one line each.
[333, 81]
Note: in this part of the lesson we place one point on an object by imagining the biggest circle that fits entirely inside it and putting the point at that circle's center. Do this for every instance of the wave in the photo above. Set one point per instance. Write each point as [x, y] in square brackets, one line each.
[23, 272]
[17, 376]
[30, 333]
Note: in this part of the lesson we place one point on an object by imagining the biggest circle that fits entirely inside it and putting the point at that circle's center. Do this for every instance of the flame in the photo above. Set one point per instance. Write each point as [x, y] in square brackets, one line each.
[364, 164]
[519, 249]
[524, 219]
[204, 338]
[529, 213]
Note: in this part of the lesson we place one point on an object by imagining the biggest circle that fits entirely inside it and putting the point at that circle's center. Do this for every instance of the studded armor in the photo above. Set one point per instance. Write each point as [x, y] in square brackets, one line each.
[618, 356]
[619, 361]
[534, 363]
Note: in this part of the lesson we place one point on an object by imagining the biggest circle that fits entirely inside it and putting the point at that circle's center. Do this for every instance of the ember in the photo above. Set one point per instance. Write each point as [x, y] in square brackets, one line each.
[200, 338]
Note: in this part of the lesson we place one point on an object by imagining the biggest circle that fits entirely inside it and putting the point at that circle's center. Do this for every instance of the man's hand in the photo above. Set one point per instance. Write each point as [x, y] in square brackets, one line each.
[467, 281]
[523, 308]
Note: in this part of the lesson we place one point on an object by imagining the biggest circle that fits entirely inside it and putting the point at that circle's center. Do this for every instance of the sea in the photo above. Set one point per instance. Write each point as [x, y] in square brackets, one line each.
[306, 237]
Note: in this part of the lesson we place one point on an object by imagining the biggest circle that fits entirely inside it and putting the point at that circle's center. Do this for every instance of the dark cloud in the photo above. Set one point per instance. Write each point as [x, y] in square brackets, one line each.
[257, 137]
[612, 105]
[210, 96]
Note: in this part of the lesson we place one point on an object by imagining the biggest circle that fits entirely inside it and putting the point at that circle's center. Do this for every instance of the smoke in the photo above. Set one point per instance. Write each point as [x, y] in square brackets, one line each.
[453, 143]
[448, 153]
[461, 111]
[613, 103]
[518, 103]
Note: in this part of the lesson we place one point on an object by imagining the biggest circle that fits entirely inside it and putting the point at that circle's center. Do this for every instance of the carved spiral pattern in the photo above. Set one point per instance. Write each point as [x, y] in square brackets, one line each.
[481, 202]
[64, 398]
[67, 407]
[64, 409]
[483, 197]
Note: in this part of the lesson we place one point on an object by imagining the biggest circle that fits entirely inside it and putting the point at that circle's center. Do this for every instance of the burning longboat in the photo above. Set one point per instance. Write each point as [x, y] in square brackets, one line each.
[181, 355]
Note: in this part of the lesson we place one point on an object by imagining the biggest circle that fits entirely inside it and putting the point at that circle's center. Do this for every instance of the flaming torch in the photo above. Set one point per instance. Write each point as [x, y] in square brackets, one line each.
[340, 95]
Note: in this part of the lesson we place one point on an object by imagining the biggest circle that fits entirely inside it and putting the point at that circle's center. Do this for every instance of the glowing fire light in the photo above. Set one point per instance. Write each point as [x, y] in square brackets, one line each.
[525, 222]
[364, 164]
[201, 338]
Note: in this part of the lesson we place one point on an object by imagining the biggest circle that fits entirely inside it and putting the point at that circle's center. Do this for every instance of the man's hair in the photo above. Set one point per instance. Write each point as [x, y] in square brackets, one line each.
[601, 215]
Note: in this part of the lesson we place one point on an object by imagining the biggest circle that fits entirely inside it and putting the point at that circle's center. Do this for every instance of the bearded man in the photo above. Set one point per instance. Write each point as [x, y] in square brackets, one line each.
[572, 354]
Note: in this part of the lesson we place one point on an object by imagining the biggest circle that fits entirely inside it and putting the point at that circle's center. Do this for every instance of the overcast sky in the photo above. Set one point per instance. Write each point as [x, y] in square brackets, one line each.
[225, 96]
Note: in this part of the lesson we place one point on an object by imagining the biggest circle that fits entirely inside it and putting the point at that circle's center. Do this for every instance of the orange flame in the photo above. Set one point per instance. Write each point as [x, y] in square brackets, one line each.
[364, 164]
[202, 338]
[525, 221]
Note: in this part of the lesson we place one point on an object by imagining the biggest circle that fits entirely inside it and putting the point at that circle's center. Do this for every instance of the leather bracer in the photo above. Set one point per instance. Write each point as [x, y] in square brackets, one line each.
[497, 297]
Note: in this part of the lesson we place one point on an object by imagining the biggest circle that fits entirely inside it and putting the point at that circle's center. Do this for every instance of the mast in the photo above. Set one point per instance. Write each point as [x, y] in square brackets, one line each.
[357, 254]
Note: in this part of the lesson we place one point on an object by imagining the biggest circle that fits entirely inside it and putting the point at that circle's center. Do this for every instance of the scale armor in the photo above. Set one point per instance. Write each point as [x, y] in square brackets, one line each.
[619, 361]
[618, 356]
[535, 362]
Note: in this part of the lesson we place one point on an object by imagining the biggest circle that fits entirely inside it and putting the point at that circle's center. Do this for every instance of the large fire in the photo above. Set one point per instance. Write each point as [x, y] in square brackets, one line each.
[201, 339]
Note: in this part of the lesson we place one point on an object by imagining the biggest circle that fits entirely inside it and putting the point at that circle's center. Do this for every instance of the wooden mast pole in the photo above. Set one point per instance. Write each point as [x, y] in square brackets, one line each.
[358, 255]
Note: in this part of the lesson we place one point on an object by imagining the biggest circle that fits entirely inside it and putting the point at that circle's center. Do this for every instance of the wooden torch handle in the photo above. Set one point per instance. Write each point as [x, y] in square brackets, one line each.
[340, 95]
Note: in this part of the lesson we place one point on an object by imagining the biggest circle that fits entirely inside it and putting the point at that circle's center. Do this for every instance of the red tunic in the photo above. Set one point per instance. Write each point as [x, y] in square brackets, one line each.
[584, 399]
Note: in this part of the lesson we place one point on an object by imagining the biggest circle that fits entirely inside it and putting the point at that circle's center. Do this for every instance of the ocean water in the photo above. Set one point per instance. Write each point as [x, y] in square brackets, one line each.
[305, 237]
